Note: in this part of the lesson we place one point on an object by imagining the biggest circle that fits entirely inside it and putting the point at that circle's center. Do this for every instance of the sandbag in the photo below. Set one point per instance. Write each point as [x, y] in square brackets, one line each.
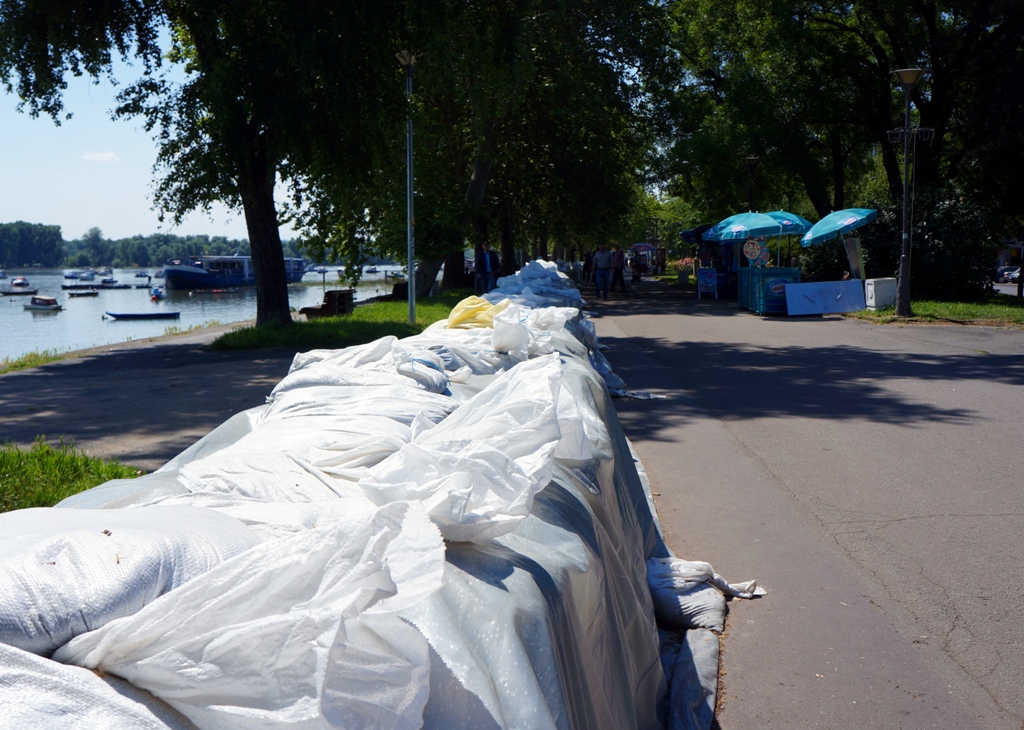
[65, 572]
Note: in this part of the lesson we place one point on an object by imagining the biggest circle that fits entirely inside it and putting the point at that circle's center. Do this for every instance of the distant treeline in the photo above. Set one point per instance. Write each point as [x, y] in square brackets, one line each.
[36, 244]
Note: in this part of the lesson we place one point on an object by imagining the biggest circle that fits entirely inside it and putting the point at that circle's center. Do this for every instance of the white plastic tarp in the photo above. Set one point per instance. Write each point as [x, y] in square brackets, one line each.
[445, 531]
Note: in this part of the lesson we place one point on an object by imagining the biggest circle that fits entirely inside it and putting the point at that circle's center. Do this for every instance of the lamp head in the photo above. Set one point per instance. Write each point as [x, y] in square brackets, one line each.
[909, 77]
[406, 59]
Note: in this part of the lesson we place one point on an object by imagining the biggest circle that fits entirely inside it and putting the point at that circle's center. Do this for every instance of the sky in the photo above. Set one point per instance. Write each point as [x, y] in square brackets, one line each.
[90, 172]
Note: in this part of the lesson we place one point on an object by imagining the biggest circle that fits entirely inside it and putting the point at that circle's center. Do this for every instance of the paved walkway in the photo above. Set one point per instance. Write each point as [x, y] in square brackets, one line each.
[142, 402]
[867, 476]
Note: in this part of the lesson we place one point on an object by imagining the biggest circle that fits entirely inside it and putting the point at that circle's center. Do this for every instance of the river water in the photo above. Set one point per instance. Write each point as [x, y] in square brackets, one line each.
[82, 322]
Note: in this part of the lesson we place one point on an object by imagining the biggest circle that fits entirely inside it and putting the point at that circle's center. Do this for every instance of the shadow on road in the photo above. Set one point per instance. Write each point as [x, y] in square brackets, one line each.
[735, 381]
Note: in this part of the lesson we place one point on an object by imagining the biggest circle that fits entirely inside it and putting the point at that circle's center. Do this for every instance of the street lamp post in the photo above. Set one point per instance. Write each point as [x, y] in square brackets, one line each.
[909, 78]
[751, 166]
[407, 61]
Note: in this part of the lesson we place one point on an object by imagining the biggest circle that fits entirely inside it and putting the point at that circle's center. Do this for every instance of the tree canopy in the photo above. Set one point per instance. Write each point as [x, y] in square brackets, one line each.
[545, 123]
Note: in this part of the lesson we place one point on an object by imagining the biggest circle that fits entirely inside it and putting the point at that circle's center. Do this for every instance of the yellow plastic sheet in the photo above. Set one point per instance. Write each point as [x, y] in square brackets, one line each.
[474, 312]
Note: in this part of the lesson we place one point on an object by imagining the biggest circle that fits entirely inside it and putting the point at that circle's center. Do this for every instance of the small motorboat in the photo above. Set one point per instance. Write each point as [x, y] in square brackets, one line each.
[87, 275]
[158, 293]
[3, 274]
[19, 281]
[19, 292]
[108, 280]
[71, 275]
[141, 274]
[83, 292]
[229, 290]
[43, 304]
[143, 315]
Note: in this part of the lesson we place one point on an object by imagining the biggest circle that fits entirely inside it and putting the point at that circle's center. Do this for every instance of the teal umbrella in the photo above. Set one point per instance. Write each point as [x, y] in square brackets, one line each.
[744, 225]
[837, 224]
[792, 224]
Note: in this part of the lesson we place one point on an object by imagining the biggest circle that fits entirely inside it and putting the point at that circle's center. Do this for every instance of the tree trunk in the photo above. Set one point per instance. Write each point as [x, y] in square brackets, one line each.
[454, 276]
[507, 263]
[256, 187]
[426, 275]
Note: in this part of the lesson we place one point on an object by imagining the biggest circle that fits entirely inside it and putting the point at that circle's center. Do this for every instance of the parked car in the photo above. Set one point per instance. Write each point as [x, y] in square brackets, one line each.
[1014, 276]
[1003, 273]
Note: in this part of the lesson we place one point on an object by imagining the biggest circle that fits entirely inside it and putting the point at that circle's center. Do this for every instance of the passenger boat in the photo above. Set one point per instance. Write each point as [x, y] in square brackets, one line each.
[144, 315]
[221, 272]
[43, 304]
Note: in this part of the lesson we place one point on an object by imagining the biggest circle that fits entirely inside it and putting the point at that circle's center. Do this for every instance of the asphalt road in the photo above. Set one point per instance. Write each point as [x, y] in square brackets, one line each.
[141, 402]
[869, 476]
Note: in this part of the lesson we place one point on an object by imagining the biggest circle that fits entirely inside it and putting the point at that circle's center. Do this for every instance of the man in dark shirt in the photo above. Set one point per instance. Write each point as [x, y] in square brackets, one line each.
[486, 266]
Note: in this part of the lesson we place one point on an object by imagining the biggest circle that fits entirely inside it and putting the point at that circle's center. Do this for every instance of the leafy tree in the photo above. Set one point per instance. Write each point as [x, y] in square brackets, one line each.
[27, 243]
[808, 88]
[263, 84]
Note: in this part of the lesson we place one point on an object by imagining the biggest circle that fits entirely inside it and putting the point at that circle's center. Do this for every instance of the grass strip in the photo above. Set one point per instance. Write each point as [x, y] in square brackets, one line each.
[44, 474]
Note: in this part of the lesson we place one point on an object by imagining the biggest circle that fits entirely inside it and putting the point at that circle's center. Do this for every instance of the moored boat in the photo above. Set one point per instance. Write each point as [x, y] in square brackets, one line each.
[221, 272]
[42, 304]
[19, 281]
[143, 315]
[19, 292]
[83, 292]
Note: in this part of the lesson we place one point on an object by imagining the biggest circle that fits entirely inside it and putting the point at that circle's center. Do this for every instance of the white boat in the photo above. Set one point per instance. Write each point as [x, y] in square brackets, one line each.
[19, 281]
[86, 275]
[43, 304]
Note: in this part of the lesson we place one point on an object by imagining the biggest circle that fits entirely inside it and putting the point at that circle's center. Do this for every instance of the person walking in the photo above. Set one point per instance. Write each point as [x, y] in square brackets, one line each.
[602, 271]
[588, 267]
[618, 265]
[486, 266]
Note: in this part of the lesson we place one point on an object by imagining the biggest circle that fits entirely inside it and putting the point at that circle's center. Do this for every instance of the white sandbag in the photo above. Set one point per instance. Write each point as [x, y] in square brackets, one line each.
[44, 694]
[689, 594]
[295, 632]
[421, 365]
[699, 607]
[260, 476]
[69, 571]
[402, 402]
[477, 471]
[352, 356]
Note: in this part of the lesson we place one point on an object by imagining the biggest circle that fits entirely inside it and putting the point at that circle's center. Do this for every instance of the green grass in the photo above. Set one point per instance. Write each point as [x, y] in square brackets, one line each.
[995, 310]
[31, 360]
[367, 323]
[45, 474]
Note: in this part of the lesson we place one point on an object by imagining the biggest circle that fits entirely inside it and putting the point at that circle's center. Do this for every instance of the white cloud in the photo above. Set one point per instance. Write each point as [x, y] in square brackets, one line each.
[102, 157]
